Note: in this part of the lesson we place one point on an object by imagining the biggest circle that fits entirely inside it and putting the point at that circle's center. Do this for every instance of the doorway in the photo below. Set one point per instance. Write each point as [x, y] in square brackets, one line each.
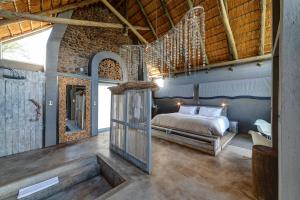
[104, 102]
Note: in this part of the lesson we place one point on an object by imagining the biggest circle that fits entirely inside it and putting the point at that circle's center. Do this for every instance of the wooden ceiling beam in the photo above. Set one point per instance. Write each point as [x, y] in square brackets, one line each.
[228, 30]
[229, 49]
[51, 4]
[25, 34]
[55, 20]
[263, 10]
[147, 18]
[119, 4]
[125, 21]
[164, 5]
[41, 5]
[202, 45]
[190, 4]
[72, 6]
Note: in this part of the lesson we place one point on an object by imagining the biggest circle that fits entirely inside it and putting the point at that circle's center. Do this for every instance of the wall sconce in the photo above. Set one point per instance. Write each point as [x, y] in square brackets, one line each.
[159, 82]
[178, 104]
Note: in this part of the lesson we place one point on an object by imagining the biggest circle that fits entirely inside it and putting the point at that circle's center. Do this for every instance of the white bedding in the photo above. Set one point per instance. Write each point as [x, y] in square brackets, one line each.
[196, 124]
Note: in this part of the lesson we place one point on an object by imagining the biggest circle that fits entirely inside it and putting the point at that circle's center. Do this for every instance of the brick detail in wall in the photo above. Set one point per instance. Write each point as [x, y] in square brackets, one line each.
[79, 43]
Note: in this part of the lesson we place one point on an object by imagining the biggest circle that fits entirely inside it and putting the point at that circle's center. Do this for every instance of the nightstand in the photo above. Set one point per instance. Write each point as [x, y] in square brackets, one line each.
[234, 126]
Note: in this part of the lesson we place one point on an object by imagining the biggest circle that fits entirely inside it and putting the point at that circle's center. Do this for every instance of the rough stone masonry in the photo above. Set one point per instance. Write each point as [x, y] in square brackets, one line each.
[80, 43]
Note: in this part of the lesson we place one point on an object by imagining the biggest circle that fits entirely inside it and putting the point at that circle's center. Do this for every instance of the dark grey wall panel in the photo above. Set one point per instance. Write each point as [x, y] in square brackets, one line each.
[245, 111]
[51, 87]
[244, 103]
[246, 71]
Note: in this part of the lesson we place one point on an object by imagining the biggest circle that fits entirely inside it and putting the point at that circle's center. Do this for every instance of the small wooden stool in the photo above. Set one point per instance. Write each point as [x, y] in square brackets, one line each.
[265, 172]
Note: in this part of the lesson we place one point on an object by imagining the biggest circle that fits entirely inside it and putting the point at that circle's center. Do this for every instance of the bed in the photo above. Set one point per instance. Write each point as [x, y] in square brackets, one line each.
[203, 129]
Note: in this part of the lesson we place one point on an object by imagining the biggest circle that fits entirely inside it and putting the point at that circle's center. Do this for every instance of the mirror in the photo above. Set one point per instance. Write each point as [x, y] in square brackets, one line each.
[75, 108]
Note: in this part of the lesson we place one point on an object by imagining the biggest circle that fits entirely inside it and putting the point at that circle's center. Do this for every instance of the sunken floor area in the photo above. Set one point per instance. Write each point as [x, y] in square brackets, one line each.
[178, 172]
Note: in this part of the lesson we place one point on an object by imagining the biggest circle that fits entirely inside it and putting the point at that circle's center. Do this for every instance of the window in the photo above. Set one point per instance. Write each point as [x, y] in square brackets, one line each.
[31, 49]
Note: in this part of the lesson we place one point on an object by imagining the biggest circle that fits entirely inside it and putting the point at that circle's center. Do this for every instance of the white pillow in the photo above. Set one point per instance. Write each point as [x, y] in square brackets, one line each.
[189, 110]
[210, 111]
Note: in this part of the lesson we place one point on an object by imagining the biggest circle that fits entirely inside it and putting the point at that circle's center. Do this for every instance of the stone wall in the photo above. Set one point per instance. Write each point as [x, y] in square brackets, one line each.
[79, 43]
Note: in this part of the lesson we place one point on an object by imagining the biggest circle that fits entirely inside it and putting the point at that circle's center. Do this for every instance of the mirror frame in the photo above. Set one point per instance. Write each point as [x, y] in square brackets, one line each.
[62, 95]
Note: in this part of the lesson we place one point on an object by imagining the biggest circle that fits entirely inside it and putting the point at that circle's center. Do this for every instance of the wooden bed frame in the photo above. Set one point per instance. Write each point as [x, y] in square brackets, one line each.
[208, 144]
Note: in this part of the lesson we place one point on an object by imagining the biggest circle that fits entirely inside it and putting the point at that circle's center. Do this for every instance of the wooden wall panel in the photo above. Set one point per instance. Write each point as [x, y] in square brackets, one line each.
[20, 130]
[2, 118]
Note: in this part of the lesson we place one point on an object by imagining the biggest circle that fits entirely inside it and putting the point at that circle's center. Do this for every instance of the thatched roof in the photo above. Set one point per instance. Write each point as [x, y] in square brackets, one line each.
[244, 18]
[13, 30]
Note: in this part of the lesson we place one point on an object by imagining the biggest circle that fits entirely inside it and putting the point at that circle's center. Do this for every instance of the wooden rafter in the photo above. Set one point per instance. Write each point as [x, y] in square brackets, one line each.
[126, 17]
[166, 11]
[120, 3]
[229, 49]
[20, 26]
[16, 9]
[226, 5]
[31, 26]
[25, 34]
[125, 21]
[15, 6]
[228, 30]
[147, 18]
[29, 5]
[9, 31]
[72, 6]
[42, 18]
[41, 5]
[191, 5]
[263, 10]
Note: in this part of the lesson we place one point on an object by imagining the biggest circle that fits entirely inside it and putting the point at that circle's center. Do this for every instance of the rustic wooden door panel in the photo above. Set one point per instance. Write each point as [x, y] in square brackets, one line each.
[21, 121]
[2, 118]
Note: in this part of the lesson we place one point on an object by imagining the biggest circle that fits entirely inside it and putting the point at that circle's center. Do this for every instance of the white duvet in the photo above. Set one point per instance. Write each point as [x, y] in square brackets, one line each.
[196, 124]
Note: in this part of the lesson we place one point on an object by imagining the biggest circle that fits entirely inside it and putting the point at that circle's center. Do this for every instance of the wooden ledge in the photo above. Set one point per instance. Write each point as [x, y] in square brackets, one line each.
[139, 85]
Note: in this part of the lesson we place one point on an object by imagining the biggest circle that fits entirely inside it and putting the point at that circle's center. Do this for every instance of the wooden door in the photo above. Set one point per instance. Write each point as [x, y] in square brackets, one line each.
[21, 113]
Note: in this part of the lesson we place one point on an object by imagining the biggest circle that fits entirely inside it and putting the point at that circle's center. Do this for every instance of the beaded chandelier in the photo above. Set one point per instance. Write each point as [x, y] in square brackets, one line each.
[182, 47]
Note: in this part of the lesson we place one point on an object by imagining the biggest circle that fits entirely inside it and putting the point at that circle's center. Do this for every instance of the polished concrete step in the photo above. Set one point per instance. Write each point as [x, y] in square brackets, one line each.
[91, 176]
[88, 190]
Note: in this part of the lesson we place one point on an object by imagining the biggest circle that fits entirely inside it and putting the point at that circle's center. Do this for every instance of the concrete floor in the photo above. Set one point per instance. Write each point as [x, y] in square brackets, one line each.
[178, 172]
[242, 140]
